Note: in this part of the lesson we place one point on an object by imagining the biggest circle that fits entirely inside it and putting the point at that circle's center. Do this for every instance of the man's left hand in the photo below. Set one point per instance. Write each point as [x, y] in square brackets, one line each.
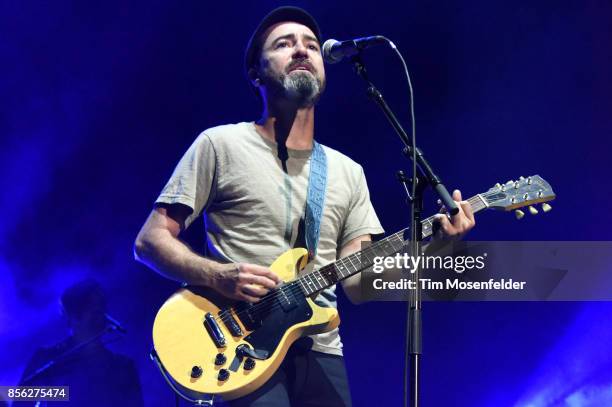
[456, 226]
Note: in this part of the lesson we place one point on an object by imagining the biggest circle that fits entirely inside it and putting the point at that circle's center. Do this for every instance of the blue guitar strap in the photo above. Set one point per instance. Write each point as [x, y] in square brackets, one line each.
[315, 198]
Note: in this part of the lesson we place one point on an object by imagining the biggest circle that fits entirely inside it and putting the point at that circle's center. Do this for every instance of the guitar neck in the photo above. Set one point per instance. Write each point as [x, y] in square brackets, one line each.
[332, 273]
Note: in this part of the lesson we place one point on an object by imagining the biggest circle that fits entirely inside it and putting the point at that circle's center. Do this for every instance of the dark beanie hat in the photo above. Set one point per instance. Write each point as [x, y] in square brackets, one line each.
[281, 14]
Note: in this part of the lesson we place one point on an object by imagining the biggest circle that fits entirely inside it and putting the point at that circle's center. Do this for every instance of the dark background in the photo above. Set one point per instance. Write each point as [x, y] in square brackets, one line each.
[100, 99]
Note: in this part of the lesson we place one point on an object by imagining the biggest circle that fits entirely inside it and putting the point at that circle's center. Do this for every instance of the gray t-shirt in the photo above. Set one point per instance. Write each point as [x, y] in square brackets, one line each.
[252, 208]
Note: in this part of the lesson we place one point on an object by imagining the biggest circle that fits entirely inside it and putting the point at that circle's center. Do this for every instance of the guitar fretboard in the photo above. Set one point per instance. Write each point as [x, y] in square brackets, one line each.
[330, 274]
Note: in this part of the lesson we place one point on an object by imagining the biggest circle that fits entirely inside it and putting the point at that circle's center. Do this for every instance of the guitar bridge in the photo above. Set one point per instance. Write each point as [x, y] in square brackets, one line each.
[230, 322]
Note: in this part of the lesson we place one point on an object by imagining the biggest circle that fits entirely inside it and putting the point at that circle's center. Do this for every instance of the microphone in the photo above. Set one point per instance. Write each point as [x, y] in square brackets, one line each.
[334, 51]
[115, 325]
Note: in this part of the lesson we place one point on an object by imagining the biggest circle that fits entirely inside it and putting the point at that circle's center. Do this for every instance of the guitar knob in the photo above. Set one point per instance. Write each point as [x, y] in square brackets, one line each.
[196, 372]
[519, 214]
[546, 207]
[223, 375]
[249, 364]
[533, 210]
[220, 359]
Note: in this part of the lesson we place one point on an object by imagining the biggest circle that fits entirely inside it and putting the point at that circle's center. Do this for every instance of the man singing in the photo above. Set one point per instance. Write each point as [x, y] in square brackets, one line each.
[251, 181]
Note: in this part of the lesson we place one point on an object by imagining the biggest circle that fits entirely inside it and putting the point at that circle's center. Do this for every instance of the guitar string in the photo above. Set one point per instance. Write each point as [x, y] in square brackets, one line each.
[300, 284]
[295, 288]
[477, 205]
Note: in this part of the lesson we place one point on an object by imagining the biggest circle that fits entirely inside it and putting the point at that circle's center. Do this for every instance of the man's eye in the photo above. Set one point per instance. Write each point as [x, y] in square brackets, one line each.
[313, 47]
[282, 44]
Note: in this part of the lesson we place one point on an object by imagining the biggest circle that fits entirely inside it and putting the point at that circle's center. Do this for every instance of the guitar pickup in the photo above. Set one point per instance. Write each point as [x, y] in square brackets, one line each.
[287, 302]
[214, 330]
[230, 322]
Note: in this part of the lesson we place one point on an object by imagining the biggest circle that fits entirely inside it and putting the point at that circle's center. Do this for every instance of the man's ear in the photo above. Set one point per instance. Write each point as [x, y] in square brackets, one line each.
[254, 77]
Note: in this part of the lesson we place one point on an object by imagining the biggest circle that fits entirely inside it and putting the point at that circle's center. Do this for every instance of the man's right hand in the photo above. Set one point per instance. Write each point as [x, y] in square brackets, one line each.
[159, 247]
[244, 282]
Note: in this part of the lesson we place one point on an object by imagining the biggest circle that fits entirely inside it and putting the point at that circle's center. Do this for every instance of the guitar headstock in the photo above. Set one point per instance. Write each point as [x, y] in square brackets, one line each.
[520, 193]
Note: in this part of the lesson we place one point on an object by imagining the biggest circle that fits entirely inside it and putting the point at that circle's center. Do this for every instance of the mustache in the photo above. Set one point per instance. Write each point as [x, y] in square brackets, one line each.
[301, 63]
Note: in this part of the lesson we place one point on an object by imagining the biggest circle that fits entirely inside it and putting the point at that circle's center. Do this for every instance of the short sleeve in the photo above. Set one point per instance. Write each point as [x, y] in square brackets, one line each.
[193, 182]
[361, 218]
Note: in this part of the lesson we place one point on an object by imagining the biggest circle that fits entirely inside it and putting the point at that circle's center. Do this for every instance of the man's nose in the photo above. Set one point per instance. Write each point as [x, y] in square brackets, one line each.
[300, 50]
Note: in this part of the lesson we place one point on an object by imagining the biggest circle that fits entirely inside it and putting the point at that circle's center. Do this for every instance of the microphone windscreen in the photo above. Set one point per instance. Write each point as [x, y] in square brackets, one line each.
[327, 51]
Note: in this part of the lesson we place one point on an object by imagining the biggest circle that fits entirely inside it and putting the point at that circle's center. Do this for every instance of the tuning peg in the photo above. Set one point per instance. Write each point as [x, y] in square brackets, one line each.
[519, 214]
[546, 207]
[498, 185]
[533, 210]
[521, 178]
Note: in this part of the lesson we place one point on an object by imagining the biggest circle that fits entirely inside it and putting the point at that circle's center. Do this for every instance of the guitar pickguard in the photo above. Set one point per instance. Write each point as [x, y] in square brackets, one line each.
[282, 314]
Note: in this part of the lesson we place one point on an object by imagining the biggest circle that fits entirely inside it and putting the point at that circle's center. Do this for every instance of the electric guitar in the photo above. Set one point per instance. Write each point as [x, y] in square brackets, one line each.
[207, 345]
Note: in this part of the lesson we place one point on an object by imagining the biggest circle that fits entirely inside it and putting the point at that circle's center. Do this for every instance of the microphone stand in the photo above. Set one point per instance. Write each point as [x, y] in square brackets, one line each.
[423, 178]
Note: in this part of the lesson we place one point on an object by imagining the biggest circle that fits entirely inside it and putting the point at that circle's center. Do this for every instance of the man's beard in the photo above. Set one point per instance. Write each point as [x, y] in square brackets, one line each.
[301, 87]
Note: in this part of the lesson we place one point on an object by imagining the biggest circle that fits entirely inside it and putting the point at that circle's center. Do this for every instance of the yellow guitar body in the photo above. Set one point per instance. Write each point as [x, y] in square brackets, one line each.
[187, 351]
